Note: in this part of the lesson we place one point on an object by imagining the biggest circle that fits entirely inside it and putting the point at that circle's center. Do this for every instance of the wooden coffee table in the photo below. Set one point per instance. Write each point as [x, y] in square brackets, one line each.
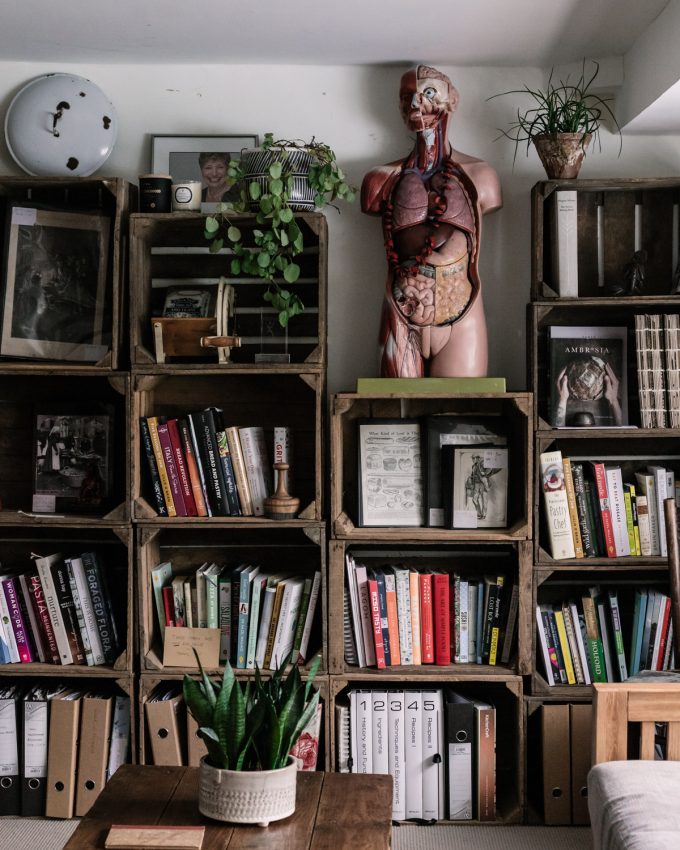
[334, 811]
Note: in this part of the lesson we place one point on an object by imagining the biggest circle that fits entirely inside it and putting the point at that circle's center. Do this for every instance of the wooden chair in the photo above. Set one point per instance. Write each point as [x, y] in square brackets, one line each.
[617, 705]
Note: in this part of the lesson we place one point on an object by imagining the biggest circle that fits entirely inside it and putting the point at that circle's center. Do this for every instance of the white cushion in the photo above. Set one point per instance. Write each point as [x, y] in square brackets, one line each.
[635, 805]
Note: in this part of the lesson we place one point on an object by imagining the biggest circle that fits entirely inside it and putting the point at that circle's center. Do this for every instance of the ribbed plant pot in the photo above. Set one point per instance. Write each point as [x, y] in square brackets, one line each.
[256, 163]
[562, 153]
[239, 796]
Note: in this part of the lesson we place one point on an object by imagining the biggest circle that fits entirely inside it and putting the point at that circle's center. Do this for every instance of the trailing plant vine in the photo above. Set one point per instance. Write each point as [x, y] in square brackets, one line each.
[278, 239]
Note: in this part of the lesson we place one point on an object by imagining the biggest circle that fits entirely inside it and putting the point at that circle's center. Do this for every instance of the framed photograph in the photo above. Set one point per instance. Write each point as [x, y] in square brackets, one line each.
[588, 376]
[55, 292]
[480, 487]
[73, 470]
[390, 472]
[204, 158]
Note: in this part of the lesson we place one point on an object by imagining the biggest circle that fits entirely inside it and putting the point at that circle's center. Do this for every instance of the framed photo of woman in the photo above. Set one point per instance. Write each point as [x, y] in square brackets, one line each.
[204, 158]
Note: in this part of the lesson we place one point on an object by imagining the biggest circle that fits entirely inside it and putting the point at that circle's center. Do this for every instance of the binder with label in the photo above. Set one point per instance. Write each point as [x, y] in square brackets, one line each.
[460, 728]
[95, 731]
[120, 735]
[162, 720]
[433, 755]
[555, 758]
[395, 736]
[10, 789]
[413, 753]
[62, 753]
[34, 752]
[580, 720]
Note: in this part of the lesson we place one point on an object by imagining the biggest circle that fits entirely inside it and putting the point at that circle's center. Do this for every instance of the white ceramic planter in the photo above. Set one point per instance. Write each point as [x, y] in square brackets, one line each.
[256, 163]
[257, 796]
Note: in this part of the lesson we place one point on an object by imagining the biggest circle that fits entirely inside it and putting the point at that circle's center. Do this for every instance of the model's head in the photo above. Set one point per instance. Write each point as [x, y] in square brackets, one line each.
[426, 96]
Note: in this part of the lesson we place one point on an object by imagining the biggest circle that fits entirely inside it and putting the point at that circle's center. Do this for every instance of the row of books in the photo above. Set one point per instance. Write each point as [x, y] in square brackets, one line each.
[657, 343]
[591, 512]
[45, 768]
[586, 643]
[262, 617]
[438, 745]
[200, 467]
[406, 616]
[60, 612]
[173, 737]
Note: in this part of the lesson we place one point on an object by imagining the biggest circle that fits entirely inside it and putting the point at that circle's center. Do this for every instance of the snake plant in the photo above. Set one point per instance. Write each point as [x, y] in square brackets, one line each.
[251, 728]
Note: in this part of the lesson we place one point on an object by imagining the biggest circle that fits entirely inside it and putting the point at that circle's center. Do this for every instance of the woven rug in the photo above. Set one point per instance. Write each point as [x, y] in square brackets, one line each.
[35, 833]
[407, 837]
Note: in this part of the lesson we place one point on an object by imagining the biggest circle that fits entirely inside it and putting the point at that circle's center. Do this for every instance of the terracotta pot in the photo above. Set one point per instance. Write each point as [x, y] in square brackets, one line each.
[240, 796]
[562, 153]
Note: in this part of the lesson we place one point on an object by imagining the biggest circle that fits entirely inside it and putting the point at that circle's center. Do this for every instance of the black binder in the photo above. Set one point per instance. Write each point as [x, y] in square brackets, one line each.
[10, 789]
[34, 752]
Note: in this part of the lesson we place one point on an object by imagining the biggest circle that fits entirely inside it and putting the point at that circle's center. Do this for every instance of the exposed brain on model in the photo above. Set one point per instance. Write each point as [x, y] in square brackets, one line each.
[431, 204]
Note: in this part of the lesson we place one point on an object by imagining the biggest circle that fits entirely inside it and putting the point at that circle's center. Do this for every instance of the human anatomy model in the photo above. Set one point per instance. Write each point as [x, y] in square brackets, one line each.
[431, 205]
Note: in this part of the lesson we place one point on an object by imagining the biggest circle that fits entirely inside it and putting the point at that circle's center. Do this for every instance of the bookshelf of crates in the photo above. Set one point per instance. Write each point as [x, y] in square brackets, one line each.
[428, 618]
[603, 369]
[215, 572]
[67, 595]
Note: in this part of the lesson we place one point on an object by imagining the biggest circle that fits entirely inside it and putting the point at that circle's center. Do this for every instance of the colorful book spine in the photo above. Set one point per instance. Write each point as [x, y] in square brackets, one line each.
[426, 619]
[556, 504]
[181, 466]
[604, 508]
[376, 624]
[156, 486]
[152, 423]
[584, 523]
[384, 623]
[16, 620]
[573, 510]
[192, 467]
[42, 614]
[171, 468]
[103, 608]
[442, 619]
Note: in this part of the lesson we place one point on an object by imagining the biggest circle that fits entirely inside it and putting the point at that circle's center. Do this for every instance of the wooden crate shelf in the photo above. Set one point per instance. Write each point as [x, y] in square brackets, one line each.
[473, 560]
[505, 693]
[22, 398]
[265, 399]
[296, 550]
[513, 408]
[148, 681]
[19, 543]
[112, 197]
[632, 450]
[612, 203]
[171, 250]
[617, 312]
[556, 584]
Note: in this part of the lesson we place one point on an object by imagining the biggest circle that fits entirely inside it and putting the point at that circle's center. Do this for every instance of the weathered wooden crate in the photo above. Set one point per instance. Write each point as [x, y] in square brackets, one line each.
[553, 585]
[59, 391]
[247, 398]
[632, 450]
[171, 250]
[112, 197]
[514, 409]
[471, 560]
[148, 681]
[299, 550]
[606, 226]
[505, 693]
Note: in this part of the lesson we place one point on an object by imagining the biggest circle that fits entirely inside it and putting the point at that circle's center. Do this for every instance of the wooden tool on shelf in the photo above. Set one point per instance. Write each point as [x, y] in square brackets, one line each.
[281, 505]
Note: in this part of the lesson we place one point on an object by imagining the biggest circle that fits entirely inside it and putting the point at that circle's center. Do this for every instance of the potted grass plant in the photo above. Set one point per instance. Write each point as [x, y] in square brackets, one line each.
[561, 122]
[248, 775]
[276, 181]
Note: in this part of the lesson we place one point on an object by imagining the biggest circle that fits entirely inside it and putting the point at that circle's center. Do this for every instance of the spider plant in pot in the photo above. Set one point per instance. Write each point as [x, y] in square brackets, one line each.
[563, 119]
[275, 181]
[248, 775]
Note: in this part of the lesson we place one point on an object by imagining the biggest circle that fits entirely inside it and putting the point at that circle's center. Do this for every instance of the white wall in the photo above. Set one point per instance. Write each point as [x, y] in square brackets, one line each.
[354, 109]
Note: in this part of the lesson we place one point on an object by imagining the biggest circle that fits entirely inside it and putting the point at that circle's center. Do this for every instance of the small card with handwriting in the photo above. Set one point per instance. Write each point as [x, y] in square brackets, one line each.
[126, 837]
[179, 644]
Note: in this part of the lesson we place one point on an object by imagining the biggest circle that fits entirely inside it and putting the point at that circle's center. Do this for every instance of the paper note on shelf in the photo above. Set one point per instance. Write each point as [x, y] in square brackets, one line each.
[179, 645]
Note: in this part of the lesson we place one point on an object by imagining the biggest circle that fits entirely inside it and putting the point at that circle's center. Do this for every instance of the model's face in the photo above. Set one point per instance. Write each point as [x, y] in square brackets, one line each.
[424, 102]
[214, 172]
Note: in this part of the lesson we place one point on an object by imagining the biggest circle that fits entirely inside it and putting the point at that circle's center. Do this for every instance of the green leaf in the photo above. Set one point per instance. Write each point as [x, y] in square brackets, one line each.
[286, 215]
[254, 190]
[235, 267]
[275, 170]
[263, 259]
[276, 187]
[212, 225]
[216, 755]
[283, 238]
[236, 719]
[216, 246]
[196, 701]
[291, 273]
[233, 234]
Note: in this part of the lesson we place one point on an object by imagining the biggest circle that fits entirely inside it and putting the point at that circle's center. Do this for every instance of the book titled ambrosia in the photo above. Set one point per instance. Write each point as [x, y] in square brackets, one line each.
[588, 381]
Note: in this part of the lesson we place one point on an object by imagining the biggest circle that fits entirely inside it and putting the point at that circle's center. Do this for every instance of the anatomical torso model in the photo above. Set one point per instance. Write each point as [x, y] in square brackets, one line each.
[431, 205]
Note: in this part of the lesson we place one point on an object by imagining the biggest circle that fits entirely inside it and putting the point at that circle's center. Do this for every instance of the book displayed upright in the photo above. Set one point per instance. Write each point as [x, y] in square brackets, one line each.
[565, 242]
[588, 376]
[556, 504]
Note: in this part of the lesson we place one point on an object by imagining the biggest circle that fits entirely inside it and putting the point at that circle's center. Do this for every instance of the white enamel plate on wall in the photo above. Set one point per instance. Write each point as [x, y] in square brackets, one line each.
[60, 124]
